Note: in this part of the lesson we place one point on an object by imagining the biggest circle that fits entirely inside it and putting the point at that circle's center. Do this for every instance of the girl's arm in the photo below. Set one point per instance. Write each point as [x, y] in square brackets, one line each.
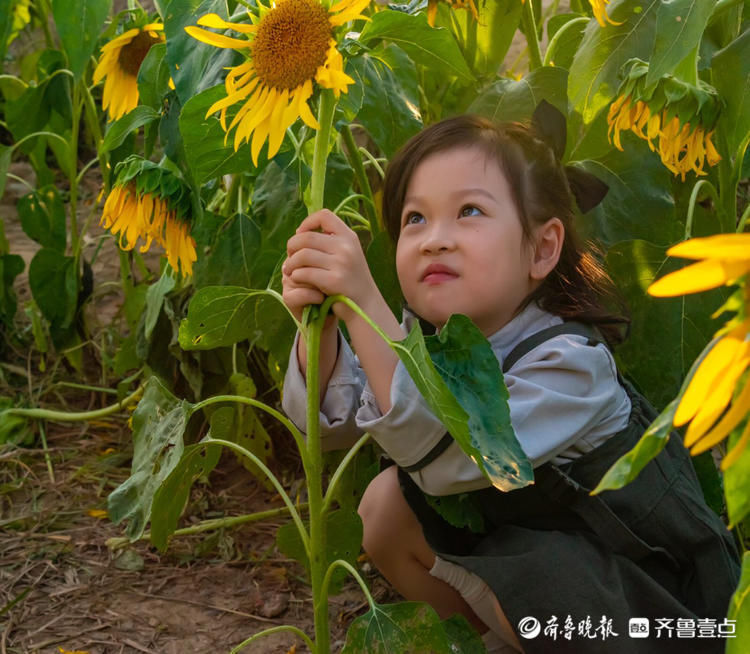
[325, 258]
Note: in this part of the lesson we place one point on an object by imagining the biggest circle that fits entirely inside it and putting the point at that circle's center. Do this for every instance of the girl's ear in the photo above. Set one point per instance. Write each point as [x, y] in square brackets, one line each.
[548, 244]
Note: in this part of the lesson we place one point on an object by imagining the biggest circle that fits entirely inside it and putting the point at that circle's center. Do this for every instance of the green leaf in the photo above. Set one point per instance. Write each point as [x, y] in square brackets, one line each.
[636, 178]
[6, 27]
[596, 65]
[54, 285]
[477, 417]
[390, 108]
[159, 421]
[409, 627]
[155, 300]
[509, 99]
[381, 260]
[429, 46]
[567, 41]
[172, 495]
[233, 256]
[42, 216]
[666, 334]
[737, 482]
[79, 23]
[193, 65]
[343, 541]
[219, 315]
[679, 27]
[739, 609]
[485, 42]
[153, 77]
[119, 130]
[207, 153]
[731, 76]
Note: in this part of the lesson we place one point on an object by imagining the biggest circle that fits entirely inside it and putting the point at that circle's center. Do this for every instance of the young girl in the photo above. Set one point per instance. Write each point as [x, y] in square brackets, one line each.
[482, 216]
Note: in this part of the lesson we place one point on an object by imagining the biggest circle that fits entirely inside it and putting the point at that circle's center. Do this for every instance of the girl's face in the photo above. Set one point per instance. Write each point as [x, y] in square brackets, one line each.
[461, 248]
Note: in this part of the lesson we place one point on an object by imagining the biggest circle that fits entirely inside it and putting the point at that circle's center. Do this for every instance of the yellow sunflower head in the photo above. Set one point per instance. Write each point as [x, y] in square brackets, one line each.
[717, 398]
[119, 64]
[150, 203]
[680, 116]
[288, 46]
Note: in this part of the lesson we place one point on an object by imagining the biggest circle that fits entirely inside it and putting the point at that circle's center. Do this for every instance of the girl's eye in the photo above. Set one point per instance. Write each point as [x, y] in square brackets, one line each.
[470, 210]
[413, 218]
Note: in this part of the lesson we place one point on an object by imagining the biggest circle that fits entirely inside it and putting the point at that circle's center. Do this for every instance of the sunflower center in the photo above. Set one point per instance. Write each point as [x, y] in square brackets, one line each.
[132, 55]
[291, 43]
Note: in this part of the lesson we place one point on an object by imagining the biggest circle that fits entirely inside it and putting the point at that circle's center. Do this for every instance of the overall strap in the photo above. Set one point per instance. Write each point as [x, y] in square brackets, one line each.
[536, 339]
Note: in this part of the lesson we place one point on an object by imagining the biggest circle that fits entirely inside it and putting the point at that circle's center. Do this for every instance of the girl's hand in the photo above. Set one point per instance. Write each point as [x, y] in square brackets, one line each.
[325, 257]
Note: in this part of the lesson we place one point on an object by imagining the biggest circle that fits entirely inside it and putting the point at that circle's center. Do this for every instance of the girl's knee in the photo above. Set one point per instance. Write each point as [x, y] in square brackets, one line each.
[381, 509]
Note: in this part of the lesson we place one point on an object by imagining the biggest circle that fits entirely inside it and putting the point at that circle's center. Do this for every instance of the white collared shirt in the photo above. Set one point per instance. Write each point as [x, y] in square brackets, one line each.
[565, 400]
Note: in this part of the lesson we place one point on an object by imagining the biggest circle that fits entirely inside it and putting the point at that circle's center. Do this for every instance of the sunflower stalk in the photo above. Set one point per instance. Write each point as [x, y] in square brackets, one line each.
[528, 26]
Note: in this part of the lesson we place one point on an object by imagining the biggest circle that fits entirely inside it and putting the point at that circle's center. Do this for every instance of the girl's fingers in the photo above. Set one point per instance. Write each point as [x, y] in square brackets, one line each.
[323, 220]
[307, 258]
[313, 240]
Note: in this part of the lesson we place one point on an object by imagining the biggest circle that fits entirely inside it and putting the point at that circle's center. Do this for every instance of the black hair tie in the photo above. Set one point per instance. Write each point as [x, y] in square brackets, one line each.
[549, 124]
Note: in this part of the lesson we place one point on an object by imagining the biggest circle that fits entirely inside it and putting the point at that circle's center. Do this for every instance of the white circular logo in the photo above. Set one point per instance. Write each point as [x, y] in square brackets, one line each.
[529, 627]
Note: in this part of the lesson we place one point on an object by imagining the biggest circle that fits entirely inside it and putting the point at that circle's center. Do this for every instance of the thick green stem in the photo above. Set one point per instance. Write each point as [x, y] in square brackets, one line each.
[315, 480]
[92, 120]
[528, 23]
[320, 154]
[81, 416]
[73, 169]
[355, 159]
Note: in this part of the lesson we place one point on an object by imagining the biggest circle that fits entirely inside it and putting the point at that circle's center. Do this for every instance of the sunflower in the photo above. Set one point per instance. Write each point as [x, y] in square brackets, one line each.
[120, 62]
[289, 45]
[717, 399]
[432, 7]
[679, 115]
[149, 202]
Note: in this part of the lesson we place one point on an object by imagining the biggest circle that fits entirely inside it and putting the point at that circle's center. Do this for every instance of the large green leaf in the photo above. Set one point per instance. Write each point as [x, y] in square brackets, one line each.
[155, 300]
[172, 495]
[54, 285]
[153, 77]
[219, 315]
[679, 28]
[410, 627]
[477, 417]
[390, 107]
[42, 216]
[639, 204]
[233, 255]
[431, 47]
[159, 421]
[343, 541]
[381, 259]
[79, 23]
[594, 72]
[731, 76]
[6, 27]
[509, 99]
[484, 42]
[737, 482]
[193, 65]
[210, 153]
[739, 609]
[119, 130]
[666, 334]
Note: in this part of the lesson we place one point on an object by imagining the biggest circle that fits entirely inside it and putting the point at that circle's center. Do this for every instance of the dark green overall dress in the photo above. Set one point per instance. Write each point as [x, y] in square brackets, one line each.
[653, 549]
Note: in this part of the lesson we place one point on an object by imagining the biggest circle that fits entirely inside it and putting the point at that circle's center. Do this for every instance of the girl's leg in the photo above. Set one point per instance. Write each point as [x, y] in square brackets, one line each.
[396, 544]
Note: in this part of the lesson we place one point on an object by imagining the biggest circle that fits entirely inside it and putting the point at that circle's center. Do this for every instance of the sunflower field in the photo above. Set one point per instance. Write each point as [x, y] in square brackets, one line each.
[178, 144]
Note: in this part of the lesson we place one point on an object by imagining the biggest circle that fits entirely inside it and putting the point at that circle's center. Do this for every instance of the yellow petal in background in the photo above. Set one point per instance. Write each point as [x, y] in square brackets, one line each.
[219, 40]
[733, 247]
[700, 276]
[738, 448]
[739, 410]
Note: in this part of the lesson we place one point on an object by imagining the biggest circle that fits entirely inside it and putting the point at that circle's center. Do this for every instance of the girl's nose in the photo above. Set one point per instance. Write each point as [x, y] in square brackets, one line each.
[438, 238]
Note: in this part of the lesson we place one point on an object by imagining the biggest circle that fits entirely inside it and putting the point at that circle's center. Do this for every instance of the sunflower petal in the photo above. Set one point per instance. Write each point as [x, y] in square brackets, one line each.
[700, 276]
[720, 246]
[215, 21]
[218, 40]
[739, 409]
[738, 449]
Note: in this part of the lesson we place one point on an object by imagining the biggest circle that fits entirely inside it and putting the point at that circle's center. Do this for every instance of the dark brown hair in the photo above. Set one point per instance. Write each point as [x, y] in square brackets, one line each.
[578, 288]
